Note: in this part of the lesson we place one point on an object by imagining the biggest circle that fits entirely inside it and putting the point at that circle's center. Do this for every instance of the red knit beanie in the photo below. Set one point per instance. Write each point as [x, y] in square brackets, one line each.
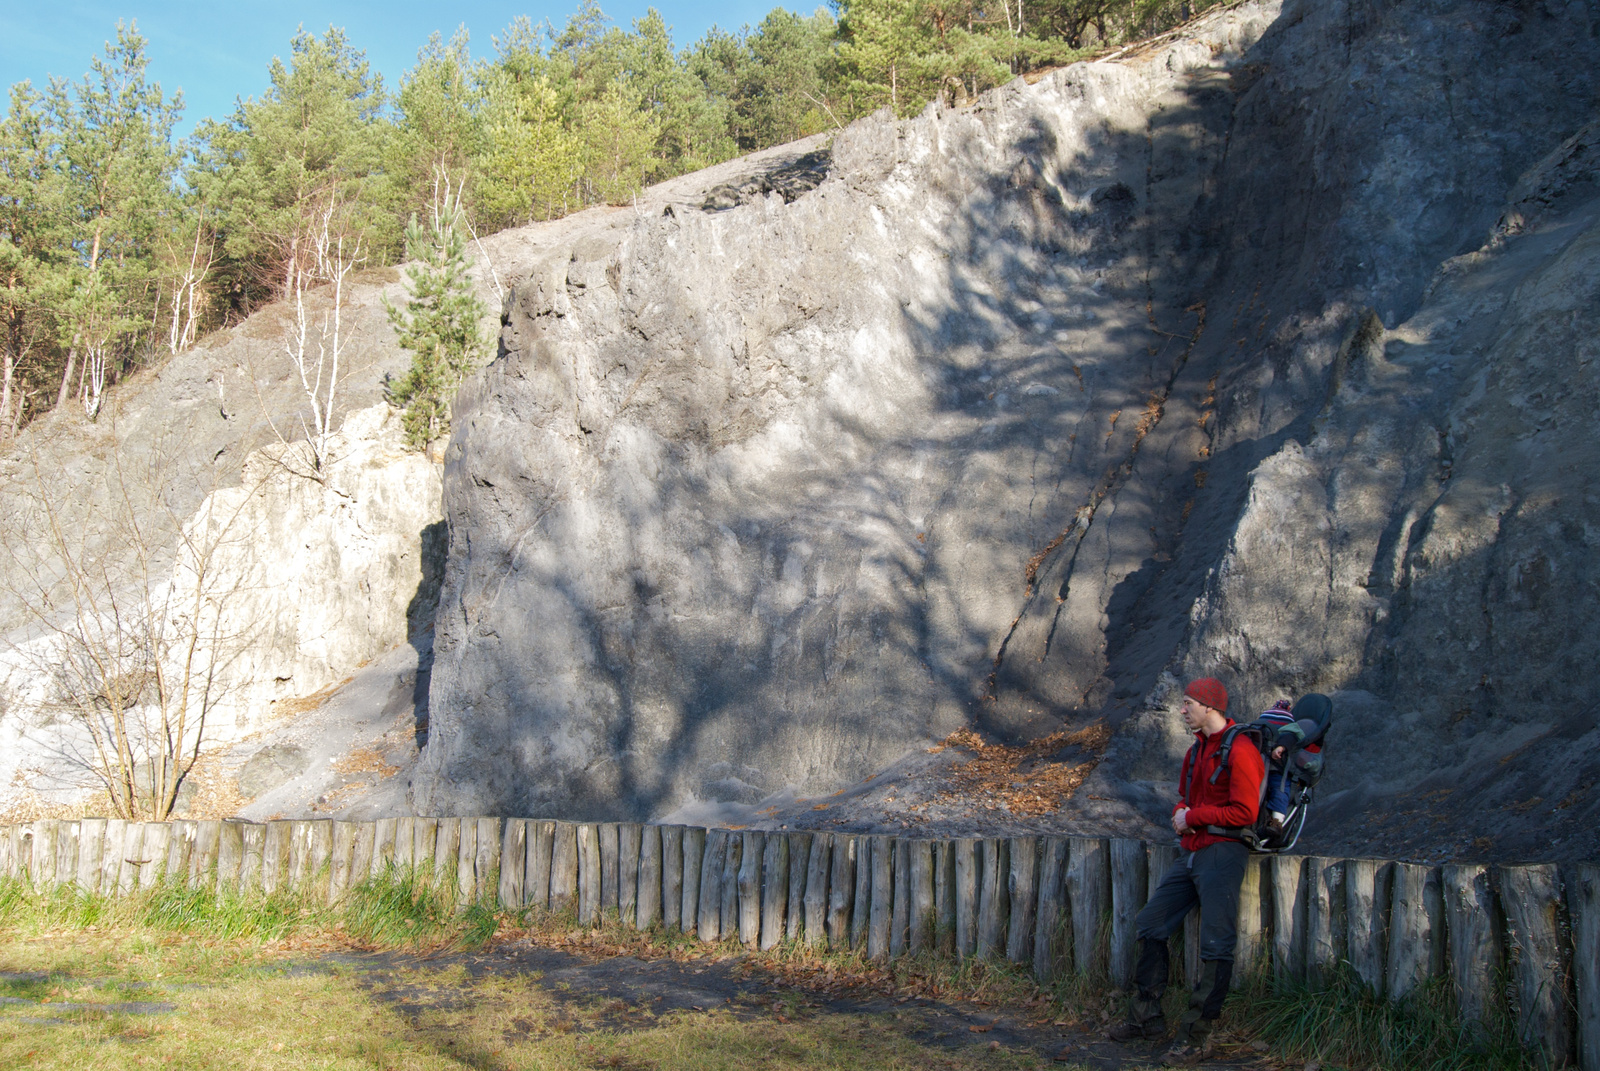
[1208, 690]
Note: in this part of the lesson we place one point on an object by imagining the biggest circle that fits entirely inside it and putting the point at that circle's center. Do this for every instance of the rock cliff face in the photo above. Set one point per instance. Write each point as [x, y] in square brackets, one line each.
[1032, 408]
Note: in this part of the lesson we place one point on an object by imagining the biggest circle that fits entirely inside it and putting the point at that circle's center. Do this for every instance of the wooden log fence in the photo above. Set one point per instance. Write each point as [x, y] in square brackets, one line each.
[1525, 939]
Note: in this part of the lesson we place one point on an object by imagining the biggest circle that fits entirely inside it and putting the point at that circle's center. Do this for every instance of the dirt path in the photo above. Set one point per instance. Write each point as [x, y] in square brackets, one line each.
[632, 992]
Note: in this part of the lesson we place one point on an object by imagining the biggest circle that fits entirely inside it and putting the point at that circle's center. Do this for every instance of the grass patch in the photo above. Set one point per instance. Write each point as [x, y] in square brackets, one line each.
[1343, 1025]
[223, 959]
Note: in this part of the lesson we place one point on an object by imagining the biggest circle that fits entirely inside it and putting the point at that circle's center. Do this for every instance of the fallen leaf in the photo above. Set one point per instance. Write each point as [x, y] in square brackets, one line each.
[980, 1029]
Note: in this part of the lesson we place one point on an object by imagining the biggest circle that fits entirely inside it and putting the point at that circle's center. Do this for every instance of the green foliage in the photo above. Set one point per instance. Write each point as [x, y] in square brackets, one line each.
[439, 126]
[317, 134]
[439, 323]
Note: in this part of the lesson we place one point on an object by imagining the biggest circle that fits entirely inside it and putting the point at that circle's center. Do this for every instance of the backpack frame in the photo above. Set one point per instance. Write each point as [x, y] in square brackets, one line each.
[1263, 736]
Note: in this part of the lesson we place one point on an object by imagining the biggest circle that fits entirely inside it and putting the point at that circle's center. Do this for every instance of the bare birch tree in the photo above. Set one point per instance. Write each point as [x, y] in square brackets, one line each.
[133, 637]
[324, 254]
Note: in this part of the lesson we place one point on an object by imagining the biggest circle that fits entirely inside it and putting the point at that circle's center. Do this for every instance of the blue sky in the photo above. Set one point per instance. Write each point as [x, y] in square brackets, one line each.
[216, 52]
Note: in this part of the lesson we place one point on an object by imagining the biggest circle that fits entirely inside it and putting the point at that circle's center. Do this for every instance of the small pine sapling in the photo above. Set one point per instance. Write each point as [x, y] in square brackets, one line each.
[439, 323]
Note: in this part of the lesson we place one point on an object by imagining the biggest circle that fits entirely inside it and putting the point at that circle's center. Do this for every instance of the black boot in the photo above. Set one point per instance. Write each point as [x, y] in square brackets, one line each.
[1193, 1042]
[1145, 1018]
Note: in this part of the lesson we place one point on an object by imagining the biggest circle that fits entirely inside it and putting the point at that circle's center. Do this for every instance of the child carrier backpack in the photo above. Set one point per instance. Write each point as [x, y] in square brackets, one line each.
[1304, 740]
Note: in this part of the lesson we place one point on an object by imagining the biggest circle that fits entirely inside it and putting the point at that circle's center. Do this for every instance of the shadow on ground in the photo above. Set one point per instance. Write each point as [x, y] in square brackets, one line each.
[625, 993]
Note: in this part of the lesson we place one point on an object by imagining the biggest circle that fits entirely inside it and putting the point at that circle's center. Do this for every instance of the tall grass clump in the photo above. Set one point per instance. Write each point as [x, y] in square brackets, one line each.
[169, 906]
[402, 907]
[1342, 1023]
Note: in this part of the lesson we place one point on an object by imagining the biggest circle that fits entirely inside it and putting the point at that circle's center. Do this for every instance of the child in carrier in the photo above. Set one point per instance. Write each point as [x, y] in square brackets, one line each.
[1290, 736]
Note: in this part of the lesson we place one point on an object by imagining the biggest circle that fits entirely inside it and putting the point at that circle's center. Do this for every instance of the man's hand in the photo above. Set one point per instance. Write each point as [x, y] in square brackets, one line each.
[1278, 752]
[1180, 821]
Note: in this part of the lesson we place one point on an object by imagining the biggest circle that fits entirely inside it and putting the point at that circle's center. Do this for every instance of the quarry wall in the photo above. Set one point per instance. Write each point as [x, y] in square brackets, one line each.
[1232, 355]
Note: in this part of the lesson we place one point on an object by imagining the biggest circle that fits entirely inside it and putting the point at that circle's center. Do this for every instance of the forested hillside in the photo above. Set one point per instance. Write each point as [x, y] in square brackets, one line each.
[120, 243]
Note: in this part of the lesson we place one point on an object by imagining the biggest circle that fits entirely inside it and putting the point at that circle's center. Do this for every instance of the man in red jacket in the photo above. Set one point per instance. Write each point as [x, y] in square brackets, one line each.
[1208, 874]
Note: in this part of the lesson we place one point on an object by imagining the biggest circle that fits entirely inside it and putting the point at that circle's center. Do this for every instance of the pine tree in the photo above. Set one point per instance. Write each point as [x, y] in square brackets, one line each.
[439, 323]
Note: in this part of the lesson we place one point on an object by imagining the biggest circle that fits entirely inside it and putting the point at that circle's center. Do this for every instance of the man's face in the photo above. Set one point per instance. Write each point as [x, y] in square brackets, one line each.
[1194, 713]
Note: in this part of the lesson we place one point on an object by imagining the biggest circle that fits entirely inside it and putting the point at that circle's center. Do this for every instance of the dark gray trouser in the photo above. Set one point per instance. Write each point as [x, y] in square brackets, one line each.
[1210, 878]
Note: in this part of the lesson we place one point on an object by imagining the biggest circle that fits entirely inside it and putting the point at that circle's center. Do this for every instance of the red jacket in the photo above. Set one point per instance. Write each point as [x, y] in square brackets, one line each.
[1232, 801]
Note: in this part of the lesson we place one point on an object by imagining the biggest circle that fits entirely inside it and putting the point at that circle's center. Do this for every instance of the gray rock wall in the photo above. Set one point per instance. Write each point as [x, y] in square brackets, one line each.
[1026, 412]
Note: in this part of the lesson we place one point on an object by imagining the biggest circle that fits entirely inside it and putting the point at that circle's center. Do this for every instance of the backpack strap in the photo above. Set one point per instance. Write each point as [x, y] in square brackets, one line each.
[1189, 762]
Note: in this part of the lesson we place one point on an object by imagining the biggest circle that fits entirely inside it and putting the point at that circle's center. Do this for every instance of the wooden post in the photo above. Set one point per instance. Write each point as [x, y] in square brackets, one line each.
[424, 843]
[1366, 904]
[944, 897]
[133, 857]
[819, 864]
[110, 855]
[609, 833]
[672, 877]
[591, 874]
[382, 846]
[647, 892]
[180, 845]
[275, 857]
[321, 854]
[44, 852]
[536, 877]
[694, 852]
[67, 836]
[204, 854]
[730, 886]
[8, 860]
[230, 855]
[1531, 897]
[1089, 891]
[993, 898]
[342, 858]
[405, 842]
[293, 875]
[841, 890]
[966, 852]
[1051, 923]
[1584, 897]
[91, 853]
[466, 863]
[1250, 956]
[752, 849]
[799, 861]
[924, 920]
[1130, 881]
[361, 853]
[156, 837]
[513, 863]
[1288, 916]
[1416, 929]
[1023, 883]
[900, 919]
[1476, 949]
[1325, 916]
[880, 899]
[630, 838]
[861, 902]
[252, 855]
[564, 867]
[487, 861]
[774, 890]
[447, 854]
[708, 912]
